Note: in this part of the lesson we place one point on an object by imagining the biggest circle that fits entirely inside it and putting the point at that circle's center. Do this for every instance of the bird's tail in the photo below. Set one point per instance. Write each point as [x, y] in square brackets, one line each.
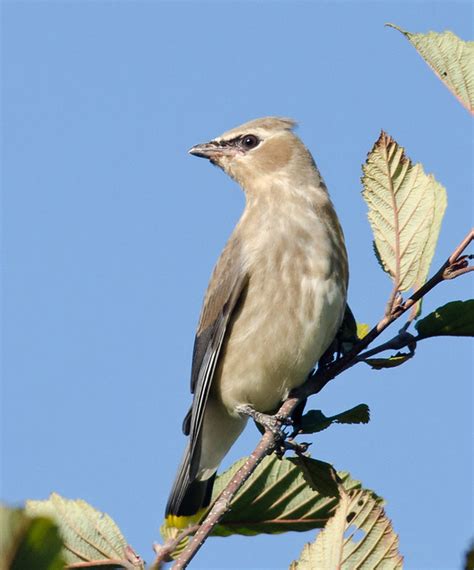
[189, 498]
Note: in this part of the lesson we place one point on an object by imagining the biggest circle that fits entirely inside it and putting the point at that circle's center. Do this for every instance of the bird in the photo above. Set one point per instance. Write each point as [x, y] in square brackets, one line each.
[274, 303]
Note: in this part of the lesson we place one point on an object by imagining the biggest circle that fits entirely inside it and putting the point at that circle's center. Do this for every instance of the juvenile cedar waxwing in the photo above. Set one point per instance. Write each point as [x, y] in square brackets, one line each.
[274, 303]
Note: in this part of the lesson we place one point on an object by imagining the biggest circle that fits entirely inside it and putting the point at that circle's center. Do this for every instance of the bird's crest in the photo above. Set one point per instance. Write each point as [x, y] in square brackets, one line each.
[263, 125]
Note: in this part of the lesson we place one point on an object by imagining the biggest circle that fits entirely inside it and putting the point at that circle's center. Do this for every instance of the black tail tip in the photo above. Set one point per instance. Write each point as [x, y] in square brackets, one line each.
[191, 502]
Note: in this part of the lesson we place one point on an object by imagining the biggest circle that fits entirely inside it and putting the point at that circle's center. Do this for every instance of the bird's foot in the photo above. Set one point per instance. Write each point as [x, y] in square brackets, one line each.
[298, 448]
[290, 444]
[271, 423]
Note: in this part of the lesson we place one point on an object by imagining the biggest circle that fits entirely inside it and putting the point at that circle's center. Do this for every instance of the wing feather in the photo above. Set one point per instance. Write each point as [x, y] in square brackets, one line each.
[227, 284]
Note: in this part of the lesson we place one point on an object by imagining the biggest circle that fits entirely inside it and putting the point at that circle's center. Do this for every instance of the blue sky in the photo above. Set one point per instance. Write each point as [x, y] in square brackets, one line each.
[110, 231]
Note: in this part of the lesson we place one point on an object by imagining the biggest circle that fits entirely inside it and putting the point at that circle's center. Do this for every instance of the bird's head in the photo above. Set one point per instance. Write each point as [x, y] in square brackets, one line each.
[258, 148]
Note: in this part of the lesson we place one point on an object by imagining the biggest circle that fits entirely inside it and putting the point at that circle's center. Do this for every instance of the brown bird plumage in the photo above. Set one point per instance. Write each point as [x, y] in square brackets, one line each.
[274, 302]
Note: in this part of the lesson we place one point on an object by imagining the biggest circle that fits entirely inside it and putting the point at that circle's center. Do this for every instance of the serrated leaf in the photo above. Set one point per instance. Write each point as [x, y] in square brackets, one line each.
[377, 256]
[357, 415]
[406, 207]
[276, 499]
[28, 542]
[335, 546]
[314, 420]
[320, 476]
[88, 534]
[453, 319]
[391, 362]
[451, 58]
[439, 208]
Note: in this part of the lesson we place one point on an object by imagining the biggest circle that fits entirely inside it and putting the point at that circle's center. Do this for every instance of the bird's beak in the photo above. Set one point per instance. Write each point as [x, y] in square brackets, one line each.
[210, 150]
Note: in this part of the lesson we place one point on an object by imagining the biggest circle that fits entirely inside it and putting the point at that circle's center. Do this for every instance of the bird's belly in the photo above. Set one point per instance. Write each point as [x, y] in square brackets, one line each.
[271, 350]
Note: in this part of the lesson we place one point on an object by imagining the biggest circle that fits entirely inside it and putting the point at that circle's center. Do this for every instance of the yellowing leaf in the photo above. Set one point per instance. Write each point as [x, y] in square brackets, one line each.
[451, 58]
[362, 330]
[439, 208]
[88, 534]
[336, 546]
[406, 207]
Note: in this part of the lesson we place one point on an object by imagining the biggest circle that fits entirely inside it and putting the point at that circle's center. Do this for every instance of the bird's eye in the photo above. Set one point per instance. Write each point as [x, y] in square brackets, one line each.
[249, 141]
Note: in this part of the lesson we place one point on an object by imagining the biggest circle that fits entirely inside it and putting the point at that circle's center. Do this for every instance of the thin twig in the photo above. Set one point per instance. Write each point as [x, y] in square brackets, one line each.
[461, 247]
[401, 340]
[164, 551]
[454, 266]
[456, 273]
[222, 503]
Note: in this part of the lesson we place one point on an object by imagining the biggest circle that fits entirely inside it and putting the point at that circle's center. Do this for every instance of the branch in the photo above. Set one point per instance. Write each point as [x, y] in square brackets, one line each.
[222, 503]
[454, 266]
[163, 551]
[399, 341]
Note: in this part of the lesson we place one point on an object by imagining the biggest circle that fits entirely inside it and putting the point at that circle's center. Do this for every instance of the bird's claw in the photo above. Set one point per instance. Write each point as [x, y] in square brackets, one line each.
[281, 447]
[283, 420]
[298, 448]
[274, 424]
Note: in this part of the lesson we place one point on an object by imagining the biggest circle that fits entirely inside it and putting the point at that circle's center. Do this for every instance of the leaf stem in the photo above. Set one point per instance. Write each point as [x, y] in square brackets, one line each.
[102, 562]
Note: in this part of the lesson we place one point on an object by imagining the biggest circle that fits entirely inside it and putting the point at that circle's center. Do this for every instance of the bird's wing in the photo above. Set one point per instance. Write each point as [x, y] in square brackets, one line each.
[226, 288]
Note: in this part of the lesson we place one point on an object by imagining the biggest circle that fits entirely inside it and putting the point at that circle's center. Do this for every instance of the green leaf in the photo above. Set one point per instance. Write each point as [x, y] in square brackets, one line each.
[336, 546]
[88, 534]
[347, 334]
[391, 362]
[350, 332]
[453, 319]
[406, 207]
[357, 415]
[314, 420]
[451, 58]
[277, 498]
[320, 476]
[28, 542]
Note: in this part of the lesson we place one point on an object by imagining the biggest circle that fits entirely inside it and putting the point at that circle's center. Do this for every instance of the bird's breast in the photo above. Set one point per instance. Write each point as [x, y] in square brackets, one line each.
[289, 315]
